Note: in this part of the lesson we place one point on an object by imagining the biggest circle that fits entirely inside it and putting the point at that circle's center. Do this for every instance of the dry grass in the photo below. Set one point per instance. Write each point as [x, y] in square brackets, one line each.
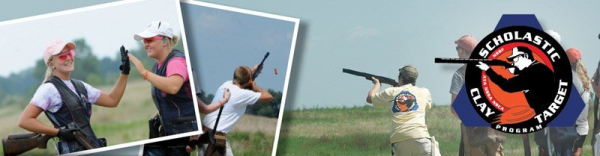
[253, 124]
[366, 130]
[253, 135]
[125, 123]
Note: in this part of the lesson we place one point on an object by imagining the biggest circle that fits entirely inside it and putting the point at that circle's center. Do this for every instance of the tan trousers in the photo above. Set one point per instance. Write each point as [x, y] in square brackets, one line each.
[488, 149]
[412, 147]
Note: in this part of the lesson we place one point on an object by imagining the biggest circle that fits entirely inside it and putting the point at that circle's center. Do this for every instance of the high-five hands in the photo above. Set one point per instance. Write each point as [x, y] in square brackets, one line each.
[125, 66]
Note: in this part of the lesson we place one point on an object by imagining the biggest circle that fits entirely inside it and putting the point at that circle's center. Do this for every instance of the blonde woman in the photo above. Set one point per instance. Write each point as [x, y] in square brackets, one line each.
[68, 102]
[171, 88]
[581, 81]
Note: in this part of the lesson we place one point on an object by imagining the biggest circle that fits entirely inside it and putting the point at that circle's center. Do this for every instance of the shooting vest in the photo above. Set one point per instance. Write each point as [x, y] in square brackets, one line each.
[76, 109]
[176, 111]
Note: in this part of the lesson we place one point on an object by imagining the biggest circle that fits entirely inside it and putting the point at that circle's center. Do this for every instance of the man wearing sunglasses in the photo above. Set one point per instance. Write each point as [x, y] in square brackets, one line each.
[408, 104]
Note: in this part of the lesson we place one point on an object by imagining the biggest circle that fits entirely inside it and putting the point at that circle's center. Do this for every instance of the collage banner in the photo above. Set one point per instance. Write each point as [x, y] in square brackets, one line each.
[190, 77]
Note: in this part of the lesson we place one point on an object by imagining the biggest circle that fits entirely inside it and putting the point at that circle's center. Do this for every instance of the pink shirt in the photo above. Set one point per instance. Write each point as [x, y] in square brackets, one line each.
[178, 66]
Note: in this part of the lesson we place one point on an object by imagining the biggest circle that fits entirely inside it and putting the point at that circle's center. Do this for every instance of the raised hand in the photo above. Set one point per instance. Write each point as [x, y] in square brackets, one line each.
[125, 66]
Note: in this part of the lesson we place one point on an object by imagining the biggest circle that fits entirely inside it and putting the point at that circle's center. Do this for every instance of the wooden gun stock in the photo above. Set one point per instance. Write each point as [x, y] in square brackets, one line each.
[16, 144]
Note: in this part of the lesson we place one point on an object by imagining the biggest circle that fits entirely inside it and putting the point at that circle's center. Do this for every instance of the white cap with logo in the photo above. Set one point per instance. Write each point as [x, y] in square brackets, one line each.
[155, 28]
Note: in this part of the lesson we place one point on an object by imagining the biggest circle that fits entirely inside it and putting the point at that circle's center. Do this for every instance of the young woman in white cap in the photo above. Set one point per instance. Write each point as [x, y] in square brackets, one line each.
[171, 90]
[68, 102]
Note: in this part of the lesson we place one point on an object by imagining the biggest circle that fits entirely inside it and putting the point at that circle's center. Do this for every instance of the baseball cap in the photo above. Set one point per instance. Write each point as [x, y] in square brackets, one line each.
[466, 42]
[518, 51]
[155, 28]
[554, 35]
[408, 72]
[573, 55]
[55, 48]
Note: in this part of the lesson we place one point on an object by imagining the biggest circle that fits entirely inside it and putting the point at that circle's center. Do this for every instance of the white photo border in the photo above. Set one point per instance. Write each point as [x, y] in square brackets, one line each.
[296, 22]
[109, 5]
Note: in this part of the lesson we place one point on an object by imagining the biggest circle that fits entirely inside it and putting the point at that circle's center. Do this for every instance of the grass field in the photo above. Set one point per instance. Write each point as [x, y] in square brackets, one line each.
[126, 123]
[253, 136]
[365, 131]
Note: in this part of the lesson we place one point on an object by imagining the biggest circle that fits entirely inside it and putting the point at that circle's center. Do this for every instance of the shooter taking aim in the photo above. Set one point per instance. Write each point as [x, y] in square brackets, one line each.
[533, 78]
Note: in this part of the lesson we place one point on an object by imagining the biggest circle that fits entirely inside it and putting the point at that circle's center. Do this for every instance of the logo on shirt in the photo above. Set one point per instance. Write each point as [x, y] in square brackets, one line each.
[405, 102]
[523, 81]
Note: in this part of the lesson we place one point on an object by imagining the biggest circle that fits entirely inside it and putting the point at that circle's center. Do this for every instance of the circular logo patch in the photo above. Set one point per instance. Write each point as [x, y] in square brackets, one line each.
[522, 82]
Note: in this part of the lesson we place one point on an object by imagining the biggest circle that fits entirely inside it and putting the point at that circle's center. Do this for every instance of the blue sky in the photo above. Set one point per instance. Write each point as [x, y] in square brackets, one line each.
[379, 37]
[219, 41]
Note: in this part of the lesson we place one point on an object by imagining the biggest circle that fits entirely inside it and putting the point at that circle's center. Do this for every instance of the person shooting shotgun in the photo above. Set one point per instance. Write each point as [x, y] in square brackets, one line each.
[243, 92]
[408, 104]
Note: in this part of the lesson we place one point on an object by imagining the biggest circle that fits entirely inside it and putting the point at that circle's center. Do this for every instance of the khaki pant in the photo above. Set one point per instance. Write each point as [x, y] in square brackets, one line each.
[488, 149]
[228, 151]
[412, 147]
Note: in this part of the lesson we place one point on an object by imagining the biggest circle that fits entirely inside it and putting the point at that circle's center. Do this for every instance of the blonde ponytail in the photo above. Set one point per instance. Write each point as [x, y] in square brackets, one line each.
[48, 71]
[173, 42]
[582, 73]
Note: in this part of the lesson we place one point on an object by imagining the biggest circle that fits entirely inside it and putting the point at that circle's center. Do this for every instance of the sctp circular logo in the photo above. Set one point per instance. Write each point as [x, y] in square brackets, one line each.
[525, 92]
[405, 102]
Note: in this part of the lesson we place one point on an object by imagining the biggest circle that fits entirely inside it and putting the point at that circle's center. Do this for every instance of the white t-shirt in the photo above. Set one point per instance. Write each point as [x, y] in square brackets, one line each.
[47, 97]
[582, 120]
[233, 109]
[408, 105]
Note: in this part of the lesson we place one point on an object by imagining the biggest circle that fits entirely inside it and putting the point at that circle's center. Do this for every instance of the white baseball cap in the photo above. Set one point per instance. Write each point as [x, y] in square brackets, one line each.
[155, 28]
[554, 35]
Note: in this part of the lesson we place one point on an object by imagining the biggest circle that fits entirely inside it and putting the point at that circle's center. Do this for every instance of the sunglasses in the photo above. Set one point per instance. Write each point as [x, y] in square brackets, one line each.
[63, 56]
[152, 39]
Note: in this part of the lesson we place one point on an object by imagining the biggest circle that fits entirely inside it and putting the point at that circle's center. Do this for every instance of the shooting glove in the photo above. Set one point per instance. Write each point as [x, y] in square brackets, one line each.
[125, 66]
[66, 134]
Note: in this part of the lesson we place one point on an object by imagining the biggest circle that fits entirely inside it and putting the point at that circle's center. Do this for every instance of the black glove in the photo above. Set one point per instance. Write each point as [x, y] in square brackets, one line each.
[125, 67]
[66, 134]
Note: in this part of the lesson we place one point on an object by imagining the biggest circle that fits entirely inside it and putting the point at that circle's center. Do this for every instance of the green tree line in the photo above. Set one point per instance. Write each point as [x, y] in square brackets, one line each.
[18, 88]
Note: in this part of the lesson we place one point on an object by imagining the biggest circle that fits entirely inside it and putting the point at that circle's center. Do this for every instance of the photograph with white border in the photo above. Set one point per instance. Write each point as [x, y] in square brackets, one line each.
[95, 45]
[241, 62]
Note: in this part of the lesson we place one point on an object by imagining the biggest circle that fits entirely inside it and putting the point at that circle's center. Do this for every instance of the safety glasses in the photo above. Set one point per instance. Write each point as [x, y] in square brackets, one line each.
[152, 39]
[63, 55]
